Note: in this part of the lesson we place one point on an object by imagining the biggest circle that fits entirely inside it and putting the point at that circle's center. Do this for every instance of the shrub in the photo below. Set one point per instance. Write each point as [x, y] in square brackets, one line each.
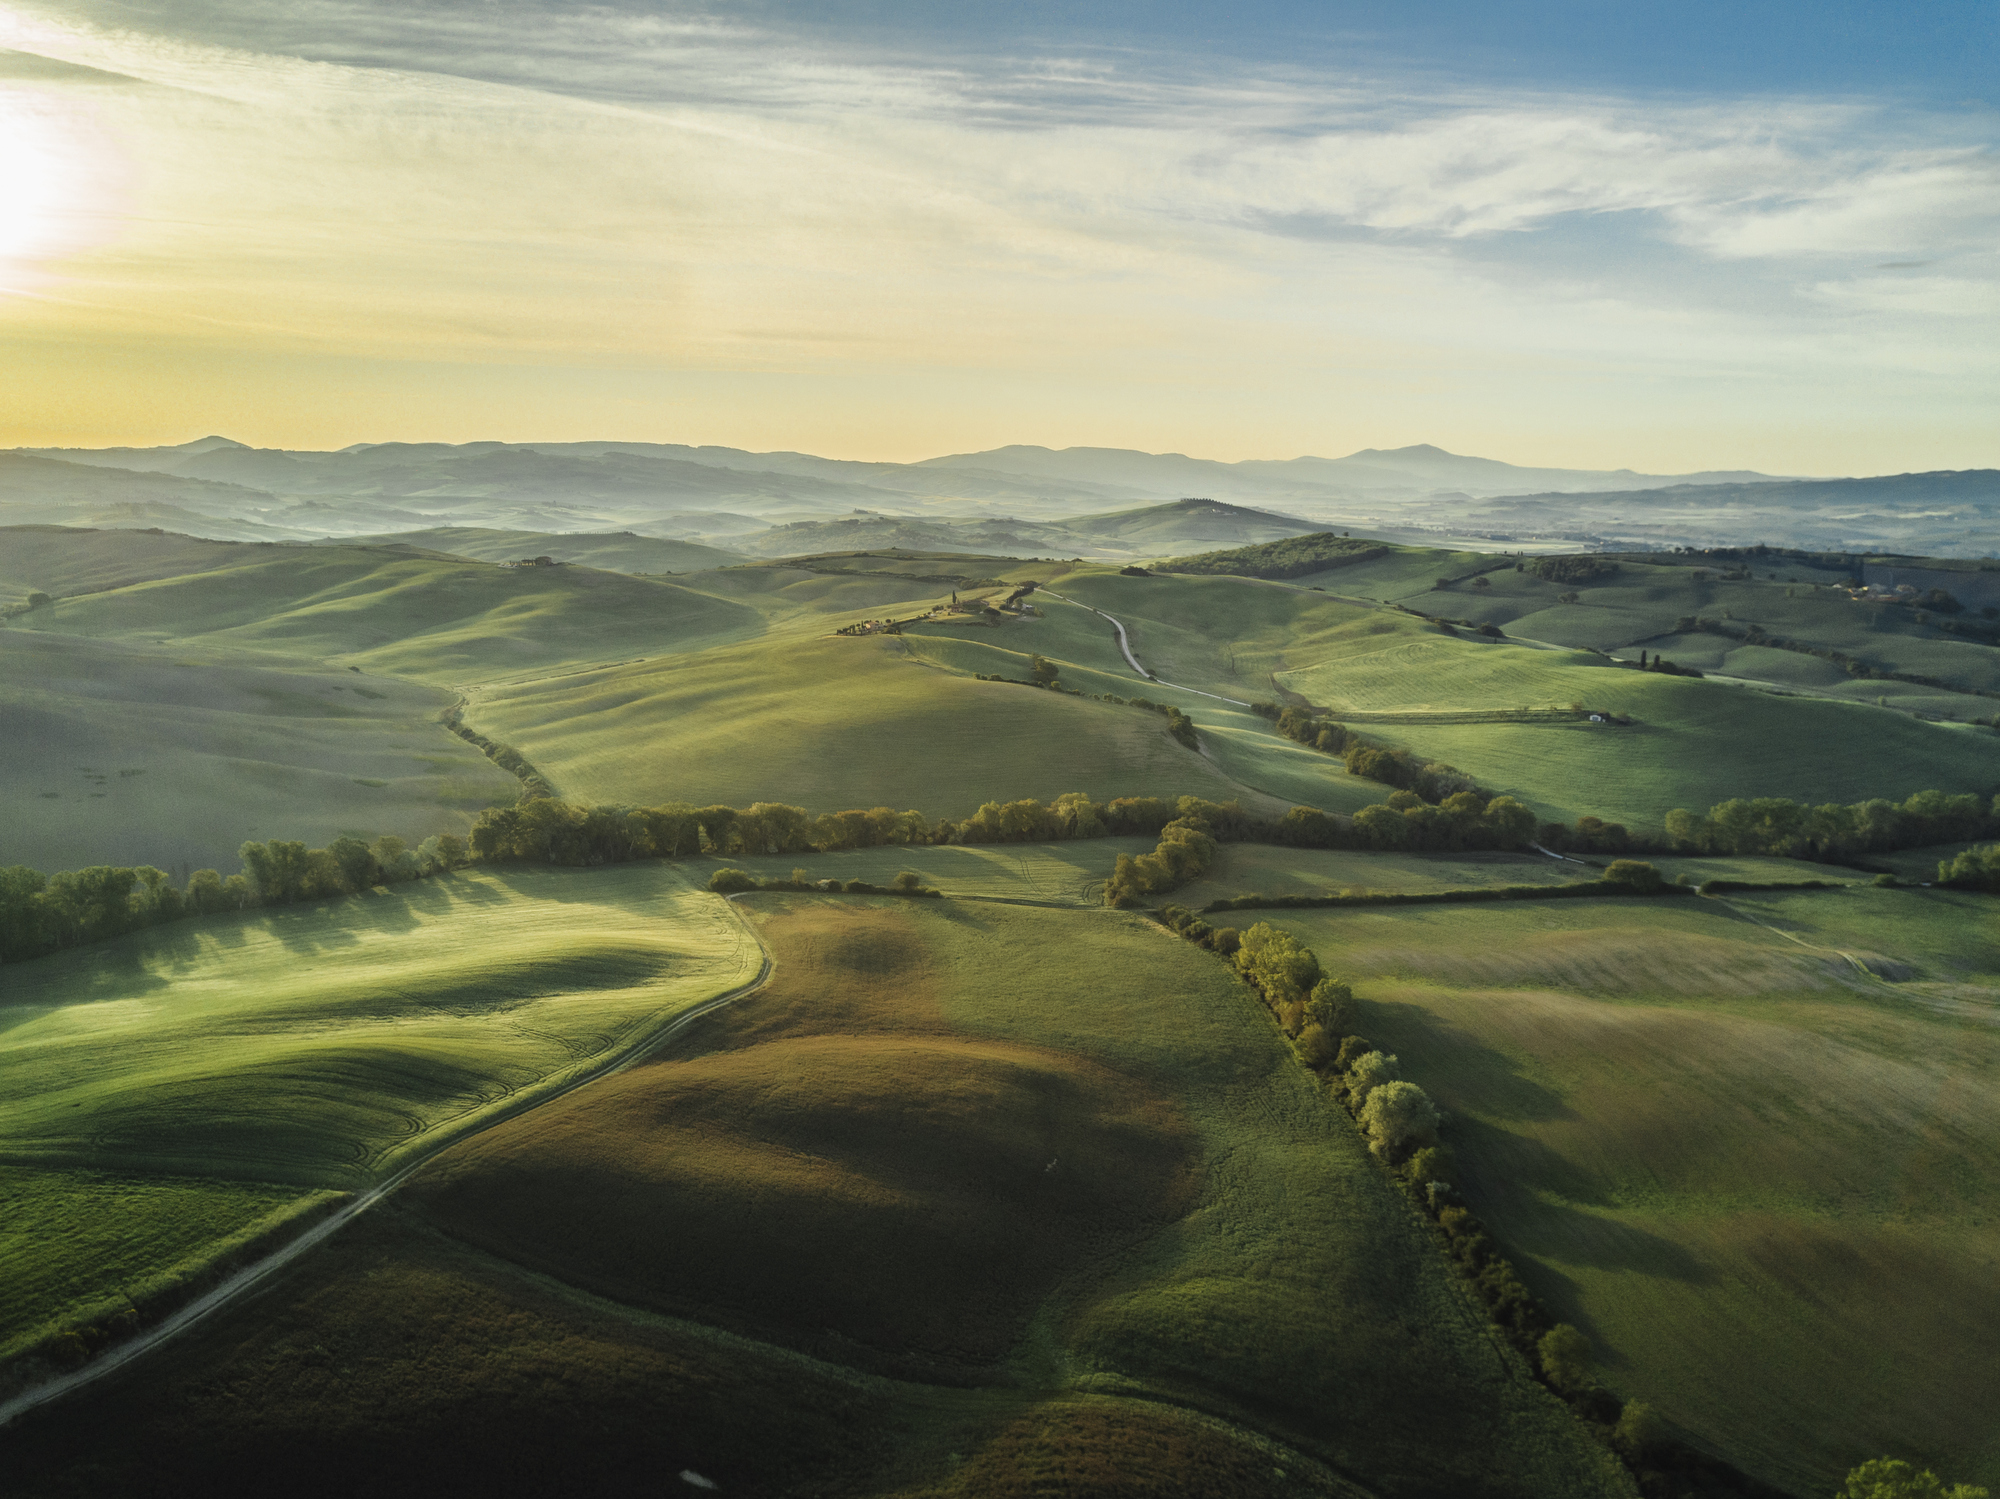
[1316, 1047]
[1892, 1478]
[1973, 869]
[1370, 1071]
[1565, 1357]
[1432, 1163]
[1634, 872]
[1397, 1116]
[1640, 1432]
[731, 882]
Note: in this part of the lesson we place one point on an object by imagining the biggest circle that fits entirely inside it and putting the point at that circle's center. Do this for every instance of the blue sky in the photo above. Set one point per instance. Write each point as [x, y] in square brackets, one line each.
[1670, 237]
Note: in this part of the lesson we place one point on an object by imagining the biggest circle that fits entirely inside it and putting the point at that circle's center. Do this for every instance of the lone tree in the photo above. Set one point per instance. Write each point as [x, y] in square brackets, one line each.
[1565, 1356]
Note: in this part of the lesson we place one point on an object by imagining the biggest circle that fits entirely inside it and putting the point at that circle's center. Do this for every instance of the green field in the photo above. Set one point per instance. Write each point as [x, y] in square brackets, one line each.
[1760, 1177]
[84, 1246]
[1050, 874]
[317, 1047]
[61, 560]
[442, 620]
[125, 754]
[952, 1144]
[830, 723]
[614, 551]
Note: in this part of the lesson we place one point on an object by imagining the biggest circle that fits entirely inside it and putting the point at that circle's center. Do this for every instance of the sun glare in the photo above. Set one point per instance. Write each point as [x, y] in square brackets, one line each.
[51, 184]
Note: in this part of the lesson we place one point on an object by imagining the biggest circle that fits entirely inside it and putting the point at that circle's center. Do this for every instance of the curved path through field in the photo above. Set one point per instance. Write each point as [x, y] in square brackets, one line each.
[258, 1272]
[1125, 646]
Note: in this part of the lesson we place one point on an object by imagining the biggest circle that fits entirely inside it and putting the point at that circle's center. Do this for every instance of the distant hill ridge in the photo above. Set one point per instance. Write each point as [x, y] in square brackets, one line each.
[1080, 500]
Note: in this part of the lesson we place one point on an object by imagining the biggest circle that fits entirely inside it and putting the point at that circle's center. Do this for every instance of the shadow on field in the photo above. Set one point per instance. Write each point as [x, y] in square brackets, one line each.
[1476, 1078]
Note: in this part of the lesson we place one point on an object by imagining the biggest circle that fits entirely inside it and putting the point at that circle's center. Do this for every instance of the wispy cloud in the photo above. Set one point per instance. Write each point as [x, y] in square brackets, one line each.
[545, 183]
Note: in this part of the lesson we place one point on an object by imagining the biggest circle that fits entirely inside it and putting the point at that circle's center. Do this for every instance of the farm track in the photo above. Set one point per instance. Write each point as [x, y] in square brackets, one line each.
[1125, 647]
[261, 1271]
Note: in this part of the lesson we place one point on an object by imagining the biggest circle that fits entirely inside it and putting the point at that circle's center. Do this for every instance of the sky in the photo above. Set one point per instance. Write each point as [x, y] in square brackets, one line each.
[1604, 234]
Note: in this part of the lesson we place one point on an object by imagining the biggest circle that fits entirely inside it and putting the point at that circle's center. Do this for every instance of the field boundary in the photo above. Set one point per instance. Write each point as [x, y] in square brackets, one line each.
[119, 1355]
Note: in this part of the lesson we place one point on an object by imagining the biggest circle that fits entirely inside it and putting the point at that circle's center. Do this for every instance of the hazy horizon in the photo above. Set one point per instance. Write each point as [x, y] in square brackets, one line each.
[1715, 240]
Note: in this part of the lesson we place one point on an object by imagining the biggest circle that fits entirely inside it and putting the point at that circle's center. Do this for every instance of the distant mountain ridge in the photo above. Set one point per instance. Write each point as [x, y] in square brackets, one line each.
[748, 502]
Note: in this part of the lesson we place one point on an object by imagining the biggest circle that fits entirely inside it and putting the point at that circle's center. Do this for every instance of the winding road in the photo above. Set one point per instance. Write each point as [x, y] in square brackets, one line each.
[1125, 646]
[119, 1355]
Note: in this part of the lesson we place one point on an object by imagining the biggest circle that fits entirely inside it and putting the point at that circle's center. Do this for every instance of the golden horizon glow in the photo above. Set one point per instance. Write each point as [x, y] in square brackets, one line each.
[307, 254]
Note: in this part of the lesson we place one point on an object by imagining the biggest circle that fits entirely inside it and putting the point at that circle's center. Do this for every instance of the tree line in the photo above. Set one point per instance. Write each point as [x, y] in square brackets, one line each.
[740, 881]
[1787, 829]
[1294, 557]
[1317, 1012]
[43, 913]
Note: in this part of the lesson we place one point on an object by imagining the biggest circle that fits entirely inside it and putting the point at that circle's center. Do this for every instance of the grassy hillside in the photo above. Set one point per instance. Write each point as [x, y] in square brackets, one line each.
[83, 1246]
[1223, 1292]
[60, 560]
[1182, 524]
[613, 551]
[448, 997]
[1691, 743]
[387, 612]
[342, 1381]
[173, 756]
[316, 1047]
[1204, 1228]
[1757, 1176]
[831, 723]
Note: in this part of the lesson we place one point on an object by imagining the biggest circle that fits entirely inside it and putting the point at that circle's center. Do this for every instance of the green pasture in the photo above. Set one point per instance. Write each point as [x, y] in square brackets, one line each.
[60, 560]
[1264, 764]
[312, 1047]
[614, 551]
[384, 611]
[918, 1076]
[340, 1379]
[1755, 1173]
[1267, 869]
[318, 1045]
[830, 723]
[1692, 743]
[86, 1246]
[1642, 604]
[136, 754]
[1293, 1285]
[1056, 874]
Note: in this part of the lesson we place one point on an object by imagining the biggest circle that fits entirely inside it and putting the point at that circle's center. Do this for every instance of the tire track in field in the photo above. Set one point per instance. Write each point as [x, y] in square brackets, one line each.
[257, 1273]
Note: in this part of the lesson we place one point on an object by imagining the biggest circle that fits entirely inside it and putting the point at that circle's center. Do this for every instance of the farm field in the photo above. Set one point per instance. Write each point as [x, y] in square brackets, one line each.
[614, 551]
[133, 754]
[437, 619]
[1692, 743]
[835, 723]
[1057, 874]
[83, 1246]
[1213, 1254]
[1265, 869]
[1758, 1176]
[316, 1047]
